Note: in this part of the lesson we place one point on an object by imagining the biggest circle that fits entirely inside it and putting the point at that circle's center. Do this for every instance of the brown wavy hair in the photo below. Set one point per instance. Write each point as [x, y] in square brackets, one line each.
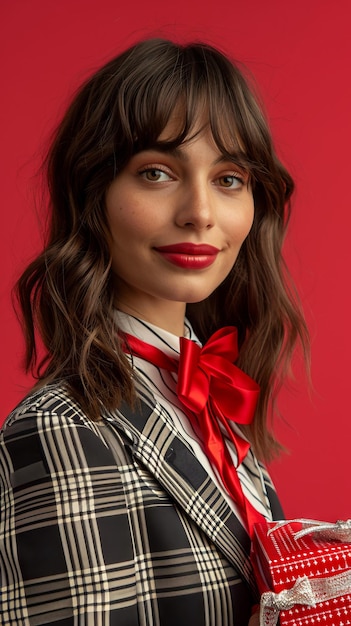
[67, 293]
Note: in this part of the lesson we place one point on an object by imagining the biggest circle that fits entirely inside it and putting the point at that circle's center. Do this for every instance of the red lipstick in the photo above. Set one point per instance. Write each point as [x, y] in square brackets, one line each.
[189, 255]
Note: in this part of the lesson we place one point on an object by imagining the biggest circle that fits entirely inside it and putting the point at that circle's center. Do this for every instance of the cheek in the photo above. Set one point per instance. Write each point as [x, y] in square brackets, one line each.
[124, 209]
[127, 223]
[240, 226]
[248, 216]
[248, 223]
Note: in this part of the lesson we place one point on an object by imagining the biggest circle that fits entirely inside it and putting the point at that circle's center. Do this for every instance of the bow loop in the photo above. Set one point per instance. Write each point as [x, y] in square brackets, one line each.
[193, 380]
[272, 603]
[305, 591]
[338, 531]
[209, 373]
[224, 343]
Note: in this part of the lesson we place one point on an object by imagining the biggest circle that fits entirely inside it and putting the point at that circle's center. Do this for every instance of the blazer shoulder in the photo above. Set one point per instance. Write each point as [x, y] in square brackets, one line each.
[45, 402]
[48, 434]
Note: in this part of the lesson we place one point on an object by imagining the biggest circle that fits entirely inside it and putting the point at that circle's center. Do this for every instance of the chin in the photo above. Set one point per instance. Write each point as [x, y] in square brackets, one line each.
[196, 298]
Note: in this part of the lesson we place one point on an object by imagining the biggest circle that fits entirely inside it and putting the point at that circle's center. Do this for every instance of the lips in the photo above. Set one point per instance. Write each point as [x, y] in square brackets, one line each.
[189, 255]
[189, 248]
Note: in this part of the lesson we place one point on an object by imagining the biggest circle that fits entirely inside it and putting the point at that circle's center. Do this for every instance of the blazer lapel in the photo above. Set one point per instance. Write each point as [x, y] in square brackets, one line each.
[158, 446]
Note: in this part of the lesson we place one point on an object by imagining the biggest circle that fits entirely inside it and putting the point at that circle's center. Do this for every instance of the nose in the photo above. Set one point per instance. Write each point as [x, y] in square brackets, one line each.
[196, 207]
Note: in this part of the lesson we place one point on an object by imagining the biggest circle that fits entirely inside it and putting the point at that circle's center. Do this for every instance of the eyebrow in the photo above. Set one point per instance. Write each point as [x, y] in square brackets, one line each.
[176, 151]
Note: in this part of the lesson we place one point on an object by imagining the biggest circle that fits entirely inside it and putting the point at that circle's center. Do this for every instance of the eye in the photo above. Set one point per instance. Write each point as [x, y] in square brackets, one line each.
[154, 175]
[231, 181]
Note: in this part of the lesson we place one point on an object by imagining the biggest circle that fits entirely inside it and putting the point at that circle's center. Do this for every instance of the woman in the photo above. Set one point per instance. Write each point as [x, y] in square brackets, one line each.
[132, 475]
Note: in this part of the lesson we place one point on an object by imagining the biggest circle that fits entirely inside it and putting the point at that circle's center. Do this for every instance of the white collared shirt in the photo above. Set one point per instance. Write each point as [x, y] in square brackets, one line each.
[162, 384]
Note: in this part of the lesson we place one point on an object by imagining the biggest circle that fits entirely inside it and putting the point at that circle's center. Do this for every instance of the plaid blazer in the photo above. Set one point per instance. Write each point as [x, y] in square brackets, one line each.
[114, 523]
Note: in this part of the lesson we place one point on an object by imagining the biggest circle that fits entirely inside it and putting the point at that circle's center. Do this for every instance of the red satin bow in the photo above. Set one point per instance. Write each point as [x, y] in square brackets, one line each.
[208, 374]
[212, 389]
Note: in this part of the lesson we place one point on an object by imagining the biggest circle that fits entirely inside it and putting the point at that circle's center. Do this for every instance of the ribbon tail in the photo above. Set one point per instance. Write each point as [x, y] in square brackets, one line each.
[220, 457]
[242, 446]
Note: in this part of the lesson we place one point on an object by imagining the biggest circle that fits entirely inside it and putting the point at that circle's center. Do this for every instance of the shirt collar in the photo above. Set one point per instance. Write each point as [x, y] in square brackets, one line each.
[155, 336]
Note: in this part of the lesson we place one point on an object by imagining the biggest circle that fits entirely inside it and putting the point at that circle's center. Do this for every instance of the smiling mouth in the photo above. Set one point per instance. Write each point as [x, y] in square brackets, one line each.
[188, 255]
[196, 249]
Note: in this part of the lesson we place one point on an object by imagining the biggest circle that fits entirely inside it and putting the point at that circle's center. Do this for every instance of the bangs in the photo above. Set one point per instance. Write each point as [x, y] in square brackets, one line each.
[194, 84]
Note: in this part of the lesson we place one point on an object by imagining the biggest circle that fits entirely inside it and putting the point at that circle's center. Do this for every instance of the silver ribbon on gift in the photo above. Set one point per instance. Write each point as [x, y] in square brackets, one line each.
[272, 603]
[340, 531]
[306, 592]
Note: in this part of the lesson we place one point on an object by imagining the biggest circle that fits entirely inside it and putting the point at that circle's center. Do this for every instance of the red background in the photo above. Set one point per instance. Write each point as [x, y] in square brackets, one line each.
[299, 53]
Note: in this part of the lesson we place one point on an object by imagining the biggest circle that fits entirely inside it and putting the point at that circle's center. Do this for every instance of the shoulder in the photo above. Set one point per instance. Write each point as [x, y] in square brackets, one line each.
[48, 434]
[50, 418]
[46, 409]
[50, 399]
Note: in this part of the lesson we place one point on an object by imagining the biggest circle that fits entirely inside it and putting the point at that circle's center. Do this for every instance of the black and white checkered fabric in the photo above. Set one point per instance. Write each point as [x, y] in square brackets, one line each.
[114, 523]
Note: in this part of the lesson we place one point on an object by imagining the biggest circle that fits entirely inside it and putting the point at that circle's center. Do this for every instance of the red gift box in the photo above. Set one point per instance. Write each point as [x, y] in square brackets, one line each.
[303, 571]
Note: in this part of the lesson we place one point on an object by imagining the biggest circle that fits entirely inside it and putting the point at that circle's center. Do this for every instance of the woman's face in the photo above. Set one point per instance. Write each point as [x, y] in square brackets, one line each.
[177, 221]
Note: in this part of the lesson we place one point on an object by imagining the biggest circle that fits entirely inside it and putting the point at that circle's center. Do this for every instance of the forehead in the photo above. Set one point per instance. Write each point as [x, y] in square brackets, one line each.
[191, 118]
[184, 125]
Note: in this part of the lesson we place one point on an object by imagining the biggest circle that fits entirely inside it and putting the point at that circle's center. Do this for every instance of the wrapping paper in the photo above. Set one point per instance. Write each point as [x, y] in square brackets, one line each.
[303, 571]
